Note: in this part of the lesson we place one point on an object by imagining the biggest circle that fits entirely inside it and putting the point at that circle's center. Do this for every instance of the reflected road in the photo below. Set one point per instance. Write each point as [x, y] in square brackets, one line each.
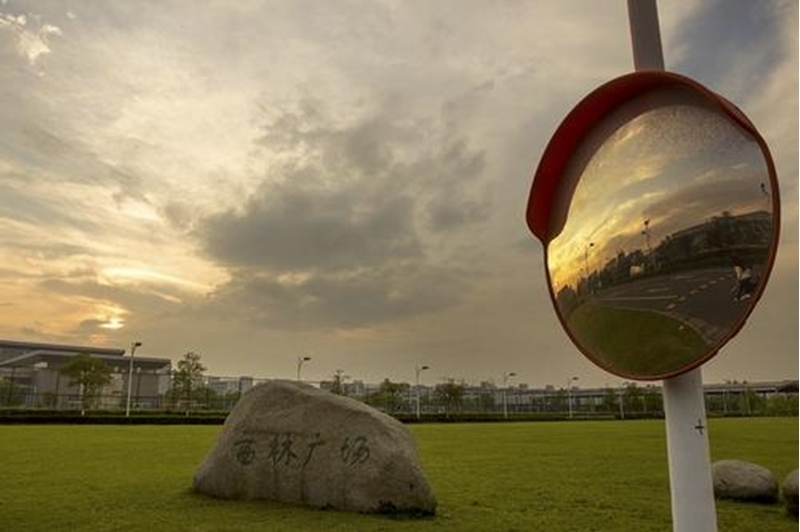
[703, 299]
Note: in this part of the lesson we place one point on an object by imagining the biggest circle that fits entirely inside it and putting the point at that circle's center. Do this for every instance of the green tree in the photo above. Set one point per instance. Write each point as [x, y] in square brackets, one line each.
[391, 395]
[90, 375]
[781, 405]
[610, 400]
[653, 399]
[337, 386]
[632, 398]
[560, 401]
[187, 379]
[450, 394]
[753, 403]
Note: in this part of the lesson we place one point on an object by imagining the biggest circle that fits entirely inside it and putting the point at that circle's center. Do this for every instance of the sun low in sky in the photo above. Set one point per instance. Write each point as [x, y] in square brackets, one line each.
[257, 181]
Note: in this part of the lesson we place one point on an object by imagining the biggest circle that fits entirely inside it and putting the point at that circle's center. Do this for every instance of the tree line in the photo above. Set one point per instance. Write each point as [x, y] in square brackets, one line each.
[188, 389]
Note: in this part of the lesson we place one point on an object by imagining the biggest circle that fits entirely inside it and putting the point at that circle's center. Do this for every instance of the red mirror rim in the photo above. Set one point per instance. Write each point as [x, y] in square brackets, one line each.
[580, 121]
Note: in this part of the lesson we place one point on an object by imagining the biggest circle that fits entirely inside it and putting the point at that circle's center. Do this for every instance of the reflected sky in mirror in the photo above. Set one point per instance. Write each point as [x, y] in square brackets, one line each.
[668, 197]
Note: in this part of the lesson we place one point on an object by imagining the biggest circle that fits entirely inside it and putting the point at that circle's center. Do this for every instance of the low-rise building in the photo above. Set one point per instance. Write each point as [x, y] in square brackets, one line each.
[31, 373]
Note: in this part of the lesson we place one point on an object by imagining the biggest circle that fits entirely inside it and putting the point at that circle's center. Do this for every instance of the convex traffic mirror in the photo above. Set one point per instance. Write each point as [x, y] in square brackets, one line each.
[657, 203]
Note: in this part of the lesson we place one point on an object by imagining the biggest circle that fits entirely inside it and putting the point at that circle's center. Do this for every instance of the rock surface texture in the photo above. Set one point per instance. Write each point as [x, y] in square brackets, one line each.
[789, 492]
[743, 481]
[294, 443]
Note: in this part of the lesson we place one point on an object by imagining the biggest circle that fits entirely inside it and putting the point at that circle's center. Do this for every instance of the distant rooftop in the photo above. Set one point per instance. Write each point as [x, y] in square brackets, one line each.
[26, 354]
[64, 348]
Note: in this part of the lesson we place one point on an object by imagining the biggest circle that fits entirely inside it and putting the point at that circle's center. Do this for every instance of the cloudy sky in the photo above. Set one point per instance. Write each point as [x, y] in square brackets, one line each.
[261, 180]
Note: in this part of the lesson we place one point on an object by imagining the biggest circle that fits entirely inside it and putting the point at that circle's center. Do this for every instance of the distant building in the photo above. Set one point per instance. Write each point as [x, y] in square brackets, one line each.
[31, 373]
[230, 385]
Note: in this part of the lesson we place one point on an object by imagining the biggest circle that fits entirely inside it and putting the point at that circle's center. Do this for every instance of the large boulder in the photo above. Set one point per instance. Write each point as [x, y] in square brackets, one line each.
[789, 492]
[743, 481]
[292, 442]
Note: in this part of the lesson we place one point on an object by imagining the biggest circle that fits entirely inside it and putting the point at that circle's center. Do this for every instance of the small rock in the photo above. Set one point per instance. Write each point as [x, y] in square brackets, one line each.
[294, 443]
[789, 492]
[743, 481]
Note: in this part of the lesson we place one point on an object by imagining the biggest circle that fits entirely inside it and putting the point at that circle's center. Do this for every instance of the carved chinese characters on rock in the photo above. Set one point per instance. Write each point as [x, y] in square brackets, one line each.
[244, 452]
[290, 450]
[355, 450]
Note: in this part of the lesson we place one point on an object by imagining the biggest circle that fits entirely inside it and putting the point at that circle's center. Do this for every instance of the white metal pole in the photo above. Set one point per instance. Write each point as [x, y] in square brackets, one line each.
[691, 487]
[417, 390]
[569, 398]
[506, 376]
[569, 394]
[134, 345]
[645, 35]
[418, 370]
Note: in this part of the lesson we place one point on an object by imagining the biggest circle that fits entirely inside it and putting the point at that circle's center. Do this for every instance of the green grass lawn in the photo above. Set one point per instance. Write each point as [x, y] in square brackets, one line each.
[556, 476]
[636, 341]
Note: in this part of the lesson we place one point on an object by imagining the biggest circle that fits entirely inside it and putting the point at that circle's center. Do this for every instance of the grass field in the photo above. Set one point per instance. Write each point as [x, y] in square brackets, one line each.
[558, 476]
[640, 342]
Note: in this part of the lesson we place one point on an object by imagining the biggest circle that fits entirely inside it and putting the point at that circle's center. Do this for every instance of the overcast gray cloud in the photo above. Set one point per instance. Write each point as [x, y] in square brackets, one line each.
[252, 180]
[345, 229]
[309, 227]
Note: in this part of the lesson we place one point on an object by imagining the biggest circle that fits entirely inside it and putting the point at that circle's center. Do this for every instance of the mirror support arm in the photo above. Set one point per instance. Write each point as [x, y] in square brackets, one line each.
[645, 35]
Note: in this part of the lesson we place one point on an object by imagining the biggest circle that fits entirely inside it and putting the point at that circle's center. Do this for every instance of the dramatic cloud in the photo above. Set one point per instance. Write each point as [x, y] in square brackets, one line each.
[255, 180]
[346, 228]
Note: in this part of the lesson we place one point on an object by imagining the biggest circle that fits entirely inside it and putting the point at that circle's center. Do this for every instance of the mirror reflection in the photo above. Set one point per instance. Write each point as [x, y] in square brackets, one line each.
[667, 236]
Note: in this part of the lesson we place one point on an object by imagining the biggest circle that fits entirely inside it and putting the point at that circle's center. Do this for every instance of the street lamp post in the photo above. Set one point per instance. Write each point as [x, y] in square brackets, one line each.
[586, 261]
[646, 233]
[300, 361]
[418, 370]
[648, 263]
[506, 376]
[134, 345]
[569, 394]
[138, 383]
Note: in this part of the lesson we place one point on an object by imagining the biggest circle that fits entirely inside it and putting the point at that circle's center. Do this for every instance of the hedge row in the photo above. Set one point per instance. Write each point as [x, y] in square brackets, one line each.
[199, 417]
[113, 417]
